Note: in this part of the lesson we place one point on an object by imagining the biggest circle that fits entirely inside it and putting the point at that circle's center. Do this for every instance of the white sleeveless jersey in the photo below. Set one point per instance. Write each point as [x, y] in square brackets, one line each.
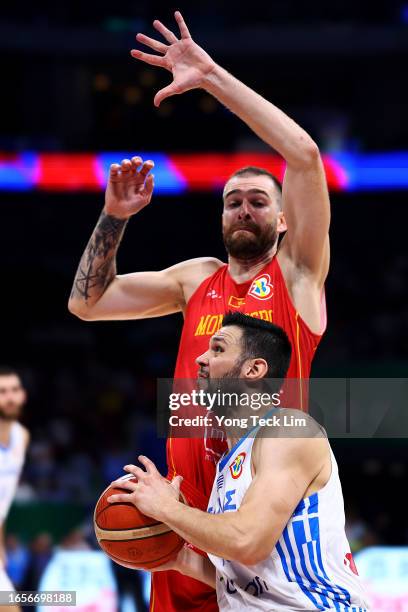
[310, 568]
[11, 464]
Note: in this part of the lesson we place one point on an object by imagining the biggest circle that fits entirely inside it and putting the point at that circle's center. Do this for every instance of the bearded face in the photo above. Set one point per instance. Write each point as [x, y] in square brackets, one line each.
[252, 217]
[12, 397]
[247, 240]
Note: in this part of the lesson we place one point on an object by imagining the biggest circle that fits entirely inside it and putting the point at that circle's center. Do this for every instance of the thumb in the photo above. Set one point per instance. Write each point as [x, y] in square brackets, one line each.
[176, 483]
[166, 92]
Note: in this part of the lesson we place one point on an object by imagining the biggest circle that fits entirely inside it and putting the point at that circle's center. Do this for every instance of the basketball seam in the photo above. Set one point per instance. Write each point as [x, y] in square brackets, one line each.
[128, 528]
[140, 562]
[154, 535]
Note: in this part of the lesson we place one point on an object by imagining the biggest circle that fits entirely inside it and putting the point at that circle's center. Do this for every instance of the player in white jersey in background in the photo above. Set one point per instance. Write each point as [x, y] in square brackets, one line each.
[14, 439]
[274, 531]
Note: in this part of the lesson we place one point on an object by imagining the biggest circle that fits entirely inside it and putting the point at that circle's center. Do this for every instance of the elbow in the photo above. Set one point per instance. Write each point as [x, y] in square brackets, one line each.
[308, 154]
[78, 312]
[252, 552]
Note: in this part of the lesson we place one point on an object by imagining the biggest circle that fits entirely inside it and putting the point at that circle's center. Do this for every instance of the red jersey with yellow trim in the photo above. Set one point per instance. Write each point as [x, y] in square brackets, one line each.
[265, 297]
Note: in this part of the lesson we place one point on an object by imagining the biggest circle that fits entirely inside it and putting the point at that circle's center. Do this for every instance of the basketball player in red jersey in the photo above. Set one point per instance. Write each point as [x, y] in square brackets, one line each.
[282, 285]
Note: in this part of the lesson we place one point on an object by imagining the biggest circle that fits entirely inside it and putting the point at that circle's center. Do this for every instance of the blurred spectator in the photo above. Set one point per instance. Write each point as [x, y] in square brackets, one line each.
[75, 540]
[358, 533]
[40, 554]
[18, 559]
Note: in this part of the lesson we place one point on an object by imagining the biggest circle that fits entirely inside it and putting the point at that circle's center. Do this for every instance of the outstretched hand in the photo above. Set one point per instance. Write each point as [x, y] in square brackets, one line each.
[151, 494]
[188, 62]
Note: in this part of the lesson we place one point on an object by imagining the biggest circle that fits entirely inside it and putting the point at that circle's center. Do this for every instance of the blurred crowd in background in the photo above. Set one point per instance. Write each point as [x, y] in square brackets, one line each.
[337, 68]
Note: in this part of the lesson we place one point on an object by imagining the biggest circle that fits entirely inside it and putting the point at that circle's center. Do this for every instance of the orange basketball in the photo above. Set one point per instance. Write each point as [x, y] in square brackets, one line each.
[131, 538]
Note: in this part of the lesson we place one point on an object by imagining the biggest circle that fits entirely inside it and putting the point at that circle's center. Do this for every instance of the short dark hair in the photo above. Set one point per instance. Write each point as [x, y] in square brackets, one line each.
[257, 171]
[263, 339]
[8, 371]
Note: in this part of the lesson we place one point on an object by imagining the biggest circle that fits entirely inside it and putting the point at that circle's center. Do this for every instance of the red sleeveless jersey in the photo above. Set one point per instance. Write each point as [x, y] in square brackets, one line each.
[265, 297]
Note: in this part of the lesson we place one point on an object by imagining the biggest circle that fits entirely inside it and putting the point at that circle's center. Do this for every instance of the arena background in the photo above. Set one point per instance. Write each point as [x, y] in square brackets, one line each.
[69, 85]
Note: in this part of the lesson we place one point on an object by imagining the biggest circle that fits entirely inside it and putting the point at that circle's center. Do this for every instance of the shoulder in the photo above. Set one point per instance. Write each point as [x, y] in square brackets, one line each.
[204, 265]
[294, 438]
[192, 272]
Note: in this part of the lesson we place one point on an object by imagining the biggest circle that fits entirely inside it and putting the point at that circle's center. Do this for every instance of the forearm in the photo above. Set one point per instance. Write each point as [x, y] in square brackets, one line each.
[266, 120]
[197, 566]
[218, 534]
[97, 267]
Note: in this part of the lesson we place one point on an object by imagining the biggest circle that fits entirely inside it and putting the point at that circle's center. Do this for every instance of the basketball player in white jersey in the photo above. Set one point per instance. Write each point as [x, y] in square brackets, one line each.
[14, 439]
[274, 531]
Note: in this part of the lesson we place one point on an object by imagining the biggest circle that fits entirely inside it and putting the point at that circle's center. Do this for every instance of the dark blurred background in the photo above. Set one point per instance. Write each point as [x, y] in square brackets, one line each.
[69, 84]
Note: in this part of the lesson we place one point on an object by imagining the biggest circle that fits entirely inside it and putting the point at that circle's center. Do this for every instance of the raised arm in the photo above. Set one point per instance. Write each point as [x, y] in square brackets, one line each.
[305, 195]
[305, 198]
[98, 292]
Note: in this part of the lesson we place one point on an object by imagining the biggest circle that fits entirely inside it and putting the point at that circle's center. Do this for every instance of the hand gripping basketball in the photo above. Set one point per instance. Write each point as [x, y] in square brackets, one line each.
[129, 536]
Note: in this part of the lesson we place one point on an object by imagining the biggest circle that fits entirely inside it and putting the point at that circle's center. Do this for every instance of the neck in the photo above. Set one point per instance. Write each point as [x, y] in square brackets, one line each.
[235, 433]
[242, 270]
[5, 426]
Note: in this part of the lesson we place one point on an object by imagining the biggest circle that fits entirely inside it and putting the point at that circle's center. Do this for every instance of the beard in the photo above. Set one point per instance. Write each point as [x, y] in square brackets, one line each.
[11, 413]
[250, 245]
[229, 385]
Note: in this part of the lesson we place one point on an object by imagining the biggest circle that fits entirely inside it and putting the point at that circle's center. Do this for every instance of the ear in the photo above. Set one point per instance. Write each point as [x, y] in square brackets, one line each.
[254, 369]
[281, 225]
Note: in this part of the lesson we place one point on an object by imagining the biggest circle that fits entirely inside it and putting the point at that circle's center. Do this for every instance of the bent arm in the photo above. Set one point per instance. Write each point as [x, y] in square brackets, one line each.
[142, 295]
[192, 564]
[249, 534]
[97, 267]
[306, 203]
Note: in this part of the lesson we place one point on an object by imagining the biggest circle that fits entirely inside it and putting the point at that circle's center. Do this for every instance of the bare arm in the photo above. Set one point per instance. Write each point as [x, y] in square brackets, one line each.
[191, 564]
[249, 534]
[129, 189]
[306, 204]
[98, 292]
[305, 195]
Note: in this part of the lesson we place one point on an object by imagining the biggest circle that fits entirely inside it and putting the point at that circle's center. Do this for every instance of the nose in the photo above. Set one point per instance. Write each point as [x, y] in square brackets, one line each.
[244, 211]
[202, 360]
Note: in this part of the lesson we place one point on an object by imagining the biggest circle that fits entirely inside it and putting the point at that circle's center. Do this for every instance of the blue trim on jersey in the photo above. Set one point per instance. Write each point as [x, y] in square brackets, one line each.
[223, 461]
[302, 543]
[300, 540]
[331, 594]
[315, 533]
[298, 577]
[312, 507]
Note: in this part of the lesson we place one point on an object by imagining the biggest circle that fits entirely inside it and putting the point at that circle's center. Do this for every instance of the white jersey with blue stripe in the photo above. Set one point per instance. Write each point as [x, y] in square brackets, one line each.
[11, 464]
[310, 568]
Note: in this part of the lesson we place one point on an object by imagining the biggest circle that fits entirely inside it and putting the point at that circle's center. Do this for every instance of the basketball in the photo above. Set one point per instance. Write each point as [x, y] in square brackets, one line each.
[131, 538]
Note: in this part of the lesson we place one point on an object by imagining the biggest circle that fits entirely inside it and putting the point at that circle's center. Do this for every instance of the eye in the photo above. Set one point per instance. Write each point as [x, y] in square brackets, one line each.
[217, 348]
[258, 203]
[233, 204]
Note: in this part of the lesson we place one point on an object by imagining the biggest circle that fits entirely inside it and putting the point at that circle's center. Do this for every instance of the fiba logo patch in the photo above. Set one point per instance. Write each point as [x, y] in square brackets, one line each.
[236, 465]
[261, 287]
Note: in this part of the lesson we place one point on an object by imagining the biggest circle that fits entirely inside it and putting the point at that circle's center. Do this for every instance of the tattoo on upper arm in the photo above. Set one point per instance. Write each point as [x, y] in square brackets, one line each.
[97, 267]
